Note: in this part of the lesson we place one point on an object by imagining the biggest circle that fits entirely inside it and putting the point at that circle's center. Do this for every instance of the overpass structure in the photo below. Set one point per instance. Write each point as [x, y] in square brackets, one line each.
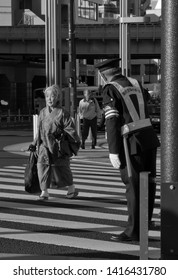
[22, 55]
[92, 41]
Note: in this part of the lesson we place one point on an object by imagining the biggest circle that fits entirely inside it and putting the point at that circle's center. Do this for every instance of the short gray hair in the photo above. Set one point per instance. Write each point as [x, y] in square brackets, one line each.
[55, 89]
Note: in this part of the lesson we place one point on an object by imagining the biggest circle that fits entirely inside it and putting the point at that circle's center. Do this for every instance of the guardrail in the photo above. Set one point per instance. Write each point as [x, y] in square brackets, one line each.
[16, 120]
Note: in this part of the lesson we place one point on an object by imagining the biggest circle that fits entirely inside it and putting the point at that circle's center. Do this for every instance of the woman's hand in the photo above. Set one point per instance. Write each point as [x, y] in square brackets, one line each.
[32, 148]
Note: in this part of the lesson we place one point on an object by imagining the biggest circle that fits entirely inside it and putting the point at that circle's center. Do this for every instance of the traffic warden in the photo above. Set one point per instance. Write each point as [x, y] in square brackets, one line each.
[131, 138]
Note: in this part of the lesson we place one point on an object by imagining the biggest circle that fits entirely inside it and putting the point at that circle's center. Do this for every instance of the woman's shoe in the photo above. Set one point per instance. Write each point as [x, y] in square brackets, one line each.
[72, 195]
[42, 198]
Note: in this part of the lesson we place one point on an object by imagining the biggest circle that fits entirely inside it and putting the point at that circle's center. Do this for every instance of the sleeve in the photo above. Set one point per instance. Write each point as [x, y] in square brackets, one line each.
[98, 110]
[69, 126]
[80, 110]
[113, 119]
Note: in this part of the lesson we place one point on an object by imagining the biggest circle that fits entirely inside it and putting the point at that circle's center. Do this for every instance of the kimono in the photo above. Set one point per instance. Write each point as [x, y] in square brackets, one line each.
[53, 148]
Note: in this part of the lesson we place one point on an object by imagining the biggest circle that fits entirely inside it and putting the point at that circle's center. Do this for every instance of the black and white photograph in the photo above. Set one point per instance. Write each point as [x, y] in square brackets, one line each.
[88, 138]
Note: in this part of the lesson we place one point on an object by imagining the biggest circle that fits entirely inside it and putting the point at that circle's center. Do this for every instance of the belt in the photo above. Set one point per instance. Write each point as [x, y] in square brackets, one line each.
[133, 126]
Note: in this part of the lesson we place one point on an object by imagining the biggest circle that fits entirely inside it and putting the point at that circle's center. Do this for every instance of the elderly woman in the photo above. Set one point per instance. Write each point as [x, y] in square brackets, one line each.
[55, 131]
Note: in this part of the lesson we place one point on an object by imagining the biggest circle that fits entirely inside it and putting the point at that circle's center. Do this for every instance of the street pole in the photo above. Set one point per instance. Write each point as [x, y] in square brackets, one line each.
[46, 42]
[137, 4]
[55, 39]
[72, 59]
[124, 35]
[49, 44]
[123, 41]
[169, 130]
[53, 43]
[59, 43]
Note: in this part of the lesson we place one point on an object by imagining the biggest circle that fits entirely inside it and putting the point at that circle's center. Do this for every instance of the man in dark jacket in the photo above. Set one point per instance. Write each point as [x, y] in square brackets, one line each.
[131, 139]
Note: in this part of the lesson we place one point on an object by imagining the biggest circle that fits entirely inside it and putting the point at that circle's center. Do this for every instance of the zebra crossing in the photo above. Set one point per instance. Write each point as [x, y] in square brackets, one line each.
[78, 228]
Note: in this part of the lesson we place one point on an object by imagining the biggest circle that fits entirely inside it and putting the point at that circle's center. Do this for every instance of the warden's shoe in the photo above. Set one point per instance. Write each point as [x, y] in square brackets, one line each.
[124, 238]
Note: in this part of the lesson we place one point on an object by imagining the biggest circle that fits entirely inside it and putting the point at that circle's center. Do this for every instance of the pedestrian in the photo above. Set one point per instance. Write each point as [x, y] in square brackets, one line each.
[131, 138]
[89, 112]
[55, 129]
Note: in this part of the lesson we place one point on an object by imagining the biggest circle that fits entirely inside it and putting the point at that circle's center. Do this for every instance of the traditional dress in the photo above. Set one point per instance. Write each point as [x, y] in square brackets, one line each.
[53, 151]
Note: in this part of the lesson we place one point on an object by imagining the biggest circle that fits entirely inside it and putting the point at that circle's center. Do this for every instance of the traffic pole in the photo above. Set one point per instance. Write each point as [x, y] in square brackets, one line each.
[72, 59]
[123, 41]
[53, 52]
[169, 130]
[46, 42]
[124, 35]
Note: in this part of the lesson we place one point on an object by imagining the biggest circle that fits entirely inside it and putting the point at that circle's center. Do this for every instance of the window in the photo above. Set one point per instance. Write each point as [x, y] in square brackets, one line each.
[135, 69]
[87, 9]
[151, 69]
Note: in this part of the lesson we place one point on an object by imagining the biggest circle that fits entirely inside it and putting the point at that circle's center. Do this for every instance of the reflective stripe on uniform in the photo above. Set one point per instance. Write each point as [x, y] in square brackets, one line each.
[130, 127]
[126, 93]
[139, 96]
[111, 113]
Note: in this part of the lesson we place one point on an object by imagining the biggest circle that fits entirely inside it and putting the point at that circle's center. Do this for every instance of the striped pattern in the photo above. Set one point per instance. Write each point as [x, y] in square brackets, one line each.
[111, 113]
[79, 228]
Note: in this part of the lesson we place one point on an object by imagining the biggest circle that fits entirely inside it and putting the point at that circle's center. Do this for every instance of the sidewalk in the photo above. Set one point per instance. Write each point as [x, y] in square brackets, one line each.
[87, 154]
[23, 132]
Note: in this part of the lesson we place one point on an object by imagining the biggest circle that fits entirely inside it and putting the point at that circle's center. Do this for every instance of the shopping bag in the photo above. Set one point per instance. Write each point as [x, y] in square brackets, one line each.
[31, 175]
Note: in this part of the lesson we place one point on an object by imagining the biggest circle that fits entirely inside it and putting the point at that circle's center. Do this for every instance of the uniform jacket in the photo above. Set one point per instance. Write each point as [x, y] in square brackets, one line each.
[116, 115]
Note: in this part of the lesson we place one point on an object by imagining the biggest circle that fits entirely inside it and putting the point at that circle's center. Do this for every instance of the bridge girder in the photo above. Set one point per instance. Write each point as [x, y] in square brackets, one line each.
[98, 40]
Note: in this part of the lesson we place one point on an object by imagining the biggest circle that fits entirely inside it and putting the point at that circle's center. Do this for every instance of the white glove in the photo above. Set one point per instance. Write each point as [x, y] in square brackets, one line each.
[114, 159]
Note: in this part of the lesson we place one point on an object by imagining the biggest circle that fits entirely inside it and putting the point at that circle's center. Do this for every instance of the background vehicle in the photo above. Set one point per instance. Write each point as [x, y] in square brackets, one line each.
[154, 109]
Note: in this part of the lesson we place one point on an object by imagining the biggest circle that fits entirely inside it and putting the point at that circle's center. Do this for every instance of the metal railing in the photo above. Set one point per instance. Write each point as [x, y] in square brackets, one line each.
[15, 120]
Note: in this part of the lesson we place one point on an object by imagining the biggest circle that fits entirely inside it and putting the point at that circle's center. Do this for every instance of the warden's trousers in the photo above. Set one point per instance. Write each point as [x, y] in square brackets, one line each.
[146, 161]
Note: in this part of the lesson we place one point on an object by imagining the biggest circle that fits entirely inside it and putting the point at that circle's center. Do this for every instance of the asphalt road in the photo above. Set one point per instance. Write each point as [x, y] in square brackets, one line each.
[61, 228]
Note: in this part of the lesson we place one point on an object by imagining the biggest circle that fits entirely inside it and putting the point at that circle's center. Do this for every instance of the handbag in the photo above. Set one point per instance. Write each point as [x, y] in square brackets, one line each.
[68, 145]
[31, 175]
[74, 144]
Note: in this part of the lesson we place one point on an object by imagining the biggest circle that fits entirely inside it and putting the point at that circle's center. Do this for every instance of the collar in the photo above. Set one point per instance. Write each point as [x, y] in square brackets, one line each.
[118, 76]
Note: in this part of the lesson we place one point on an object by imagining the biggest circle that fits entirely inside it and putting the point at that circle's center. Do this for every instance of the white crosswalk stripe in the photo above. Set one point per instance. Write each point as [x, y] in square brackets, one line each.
[85, 223]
